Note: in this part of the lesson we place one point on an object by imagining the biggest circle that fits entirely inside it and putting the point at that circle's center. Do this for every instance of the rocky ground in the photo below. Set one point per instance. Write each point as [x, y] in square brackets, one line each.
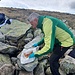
[21, 14]
[17, 36]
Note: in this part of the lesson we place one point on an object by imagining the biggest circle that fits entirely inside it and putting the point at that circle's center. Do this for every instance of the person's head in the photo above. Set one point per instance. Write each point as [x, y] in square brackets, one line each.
[33, 19]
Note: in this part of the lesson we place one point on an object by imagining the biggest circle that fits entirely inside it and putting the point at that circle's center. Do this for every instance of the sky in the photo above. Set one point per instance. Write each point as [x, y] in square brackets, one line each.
[65, 6]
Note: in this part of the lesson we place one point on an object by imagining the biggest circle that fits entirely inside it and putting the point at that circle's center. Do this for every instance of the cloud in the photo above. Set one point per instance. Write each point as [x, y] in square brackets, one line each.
[13, 3]
[72, 5]
[50, 5]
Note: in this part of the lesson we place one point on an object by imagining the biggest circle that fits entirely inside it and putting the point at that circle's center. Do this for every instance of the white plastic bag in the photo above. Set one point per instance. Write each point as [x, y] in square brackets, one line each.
[25, 55]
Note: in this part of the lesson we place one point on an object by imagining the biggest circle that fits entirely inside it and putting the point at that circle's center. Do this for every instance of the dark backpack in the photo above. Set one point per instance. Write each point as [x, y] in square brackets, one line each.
[2, 18]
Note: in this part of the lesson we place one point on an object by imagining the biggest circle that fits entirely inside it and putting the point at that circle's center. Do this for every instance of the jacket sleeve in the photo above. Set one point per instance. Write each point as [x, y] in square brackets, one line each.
[49, 31]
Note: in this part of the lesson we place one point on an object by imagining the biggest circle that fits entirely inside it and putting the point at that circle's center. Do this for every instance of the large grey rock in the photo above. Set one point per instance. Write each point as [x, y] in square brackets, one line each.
[6, 68]
[7, 49]
[15, 30]
[68, 64]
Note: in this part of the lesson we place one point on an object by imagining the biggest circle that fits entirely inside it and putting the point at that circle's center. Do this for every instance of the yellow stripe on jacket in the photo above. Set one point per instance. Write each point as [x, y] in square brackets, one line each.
[47, 28]
[63, 37]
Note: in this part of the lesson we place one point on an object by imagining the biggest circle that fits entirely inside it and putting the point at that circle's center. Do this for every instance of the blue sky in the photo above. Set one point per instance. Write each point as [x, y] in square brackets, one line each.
[66, 6]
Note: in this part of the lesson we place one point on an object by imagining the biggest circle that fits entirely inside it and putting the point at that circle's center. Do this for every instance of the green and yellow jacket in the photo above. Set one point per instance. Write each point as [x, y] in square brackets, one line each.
[55, 32]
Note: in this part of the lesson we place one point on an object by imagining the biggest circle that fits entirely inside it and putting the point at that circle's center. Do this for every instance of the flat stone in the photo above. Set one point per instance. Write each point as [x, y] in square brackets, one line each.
[68, 64]
[15, 30]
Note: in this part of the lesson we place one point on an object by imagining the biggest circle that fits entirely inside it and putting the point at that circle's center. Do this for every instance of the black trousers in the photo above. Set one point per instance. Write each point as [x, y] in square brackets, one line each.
[58, 52]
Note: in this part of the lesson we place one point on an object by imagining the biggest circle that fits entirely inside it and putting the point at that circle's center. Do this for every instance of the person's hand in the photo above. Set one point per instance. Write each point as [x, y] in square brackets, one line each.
[35, 45]
[32, 55]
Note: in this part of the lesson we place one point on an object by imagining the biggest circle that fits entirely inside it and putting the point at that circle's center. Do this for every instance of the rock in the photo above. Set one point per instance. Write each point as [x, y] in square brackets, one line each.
[73, 31]
[4, 59]
[48, 71]
[68, 51]
[25, 73]
[8, 49]
[44, 57]
[39, 70]
[32, 63]
[5, 46]
[35, 40]
[43, 62]
[14, 60]
[14, 31]
[37, 32]
[61, 72]
[27, 40]
[7, 69]
[29, 35]
[2, 37]
[68, 64]
[28, 67]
